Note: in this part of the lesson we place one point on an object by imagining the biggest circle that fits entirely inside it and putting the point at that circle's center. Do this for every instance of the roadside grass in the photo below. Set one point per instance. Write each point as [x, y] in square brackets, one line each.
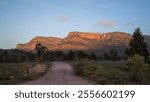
[15, 73]
[105, 72]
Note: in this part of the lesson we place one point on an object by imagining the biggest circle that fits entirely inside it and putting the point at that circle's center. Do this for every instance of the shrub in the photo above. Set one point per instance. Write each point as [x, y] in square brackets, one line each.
[89, 70]
[80, 66]
[101, 73]
[138, 69]
[109, 76]
[133, 71]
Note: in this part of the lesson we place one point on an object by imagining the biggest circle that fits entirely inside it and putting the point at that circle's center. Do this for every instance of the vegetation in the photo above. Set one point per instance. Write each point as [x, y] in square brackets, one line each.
[139, 71]
[112, 56]
[15, 56]
[135, 70]
[113, 72]
[14, 73]
[41, 52]
[138, 46]
[106, 69]
[102, 72]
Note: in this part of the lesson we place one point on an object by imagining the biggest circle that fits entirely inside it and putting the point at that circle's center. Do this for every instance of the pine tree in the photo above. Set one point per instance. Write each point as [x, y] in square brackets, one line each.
[138, 46]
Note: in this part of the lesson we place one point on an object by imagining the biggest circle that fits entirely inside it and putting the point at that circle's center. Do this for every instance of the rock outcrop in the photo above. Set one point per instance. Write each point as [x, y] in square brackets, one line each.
[80, 41]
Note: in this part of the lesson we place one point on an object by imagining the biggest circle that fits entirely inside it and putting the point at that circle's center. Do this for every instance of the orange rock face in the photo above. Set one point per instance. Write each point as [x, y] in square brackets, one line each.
[78, 41]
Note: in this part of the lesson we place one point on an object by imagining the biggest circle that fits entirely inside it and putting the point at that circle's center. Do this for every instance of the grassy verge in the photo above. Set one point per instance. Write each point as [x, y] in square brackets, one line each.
[105, 72]
[14, 73]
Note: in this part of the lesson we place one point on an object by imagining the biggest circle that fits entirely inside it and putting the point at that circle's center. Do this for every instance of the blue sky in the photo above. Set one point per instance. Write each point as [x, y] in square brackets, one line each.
[21, 20]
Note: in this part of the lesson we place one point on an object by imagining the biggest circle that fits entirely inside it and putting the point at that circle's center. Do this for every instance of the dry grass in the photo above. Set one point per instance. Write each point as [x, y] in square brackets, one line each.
[13, 73]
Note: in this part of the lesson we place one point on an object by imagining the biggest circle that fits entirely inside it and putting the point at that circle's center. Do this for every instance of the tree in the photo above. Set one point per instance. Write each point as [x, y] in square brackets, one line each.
[5, 57]
[38, 50]
[82, 55]
[58, 55]
[44, 53]
[41, 52]
[113, 55]
[71, 55]
[14, 58]
[1, 58]
[51, 55]
[106, 56]
[138, 46]
[93, 56]
[30, 56]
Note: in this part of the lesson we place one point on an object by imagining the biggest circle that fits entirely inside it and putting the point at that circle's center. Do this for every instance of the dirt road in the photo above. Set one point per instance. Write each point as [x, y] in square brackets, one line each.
[60, 74]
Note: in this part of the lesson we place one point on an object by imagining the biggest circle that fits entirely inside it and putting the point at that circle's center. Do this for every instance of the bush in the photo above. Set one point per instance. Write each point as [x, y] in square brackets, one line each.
[80, 66]
[133, 71]
[101, 73]
[138, 69]
[109, 76]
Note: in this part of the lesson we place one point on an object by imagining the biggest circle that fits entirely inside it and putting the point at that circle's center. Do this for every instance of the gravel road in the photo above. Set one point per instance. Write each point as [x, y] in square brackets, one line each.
[60, 73]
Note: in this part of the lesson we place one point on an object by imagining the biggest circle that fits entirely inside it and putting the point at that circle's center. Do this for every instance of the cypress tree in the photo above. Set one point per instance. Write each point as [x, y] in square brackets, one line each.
[138, 46]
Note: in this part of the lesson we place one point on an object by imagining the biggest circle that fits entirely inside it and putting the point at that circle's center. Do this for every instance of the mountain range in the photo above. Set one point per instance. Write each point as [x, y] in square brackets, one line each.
[86, 41]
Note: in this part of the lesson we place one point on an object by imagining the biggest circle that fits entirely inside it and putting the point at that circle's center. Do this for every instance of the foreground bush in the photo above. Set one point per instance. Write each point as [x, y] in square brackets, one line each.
[133, 71]
[100, 72]
[112, 76]
[139, 71]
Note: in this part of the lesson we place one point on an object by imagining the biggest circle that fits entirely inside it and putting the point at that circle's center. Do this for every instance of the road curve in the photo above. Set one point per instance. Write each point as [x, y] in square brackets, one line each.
[61, 73]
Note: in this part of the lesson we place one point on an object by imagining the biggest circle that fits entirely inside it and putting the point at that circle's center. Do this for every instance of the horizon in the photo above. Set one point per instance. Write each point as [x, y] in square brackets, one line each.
[22, 20]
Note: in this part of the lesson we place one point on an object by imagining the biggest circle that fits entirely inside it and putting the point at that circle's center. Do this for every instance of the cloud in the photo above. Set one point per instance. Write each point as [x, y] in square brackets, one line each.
[62, 19]
[129, 24]
[105, 24]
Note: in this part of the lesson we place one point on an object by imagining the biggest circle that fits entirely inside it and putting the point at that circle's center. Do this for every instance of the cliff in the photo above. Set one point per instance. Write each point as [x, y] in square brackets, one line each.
[79, 41]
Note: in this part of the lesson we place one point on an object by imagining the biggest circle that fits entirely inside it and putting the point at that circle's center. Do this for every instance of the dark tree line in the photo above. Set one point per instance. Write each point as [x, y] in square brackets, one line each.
[41, 53]
[15, 56]
[113, 56]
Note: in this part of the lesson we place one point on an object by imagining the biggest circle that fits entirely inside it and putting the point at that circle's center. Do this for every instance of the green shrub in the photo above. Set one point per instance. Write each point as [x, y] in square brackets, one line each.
[109, 76]
[80, 66]
[133, 71]
[137, 62]
[89, 70]
[102, 72]
[139, 71]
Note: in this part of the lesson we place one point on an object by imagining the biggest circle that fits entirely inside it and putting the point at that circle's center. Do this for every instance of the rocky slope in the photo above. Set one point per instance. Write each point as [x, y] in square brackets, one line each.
[79, 41]
[49, 42]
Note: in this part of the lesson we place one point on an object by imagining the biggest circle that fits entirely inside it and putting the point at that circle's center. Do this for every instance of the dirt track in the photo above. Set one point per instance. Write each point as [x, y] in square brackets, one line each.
[60, 74]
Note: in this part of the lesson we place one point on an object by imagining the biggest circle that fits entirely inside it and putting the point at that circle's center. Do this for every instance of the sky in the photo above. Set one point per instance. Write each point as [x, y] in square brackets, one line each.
[22, 20]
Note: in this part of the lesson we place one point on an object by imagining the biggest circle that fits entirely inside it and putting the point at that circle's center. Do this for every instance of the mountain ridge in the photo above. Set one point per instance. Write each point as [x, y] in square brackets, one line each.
[81, 41]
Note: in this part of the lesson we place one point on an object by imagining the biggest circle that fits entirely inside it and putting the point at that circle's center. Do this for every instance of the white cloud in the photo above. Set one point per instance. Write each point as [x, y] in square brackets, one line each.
[105, 24]
[62, 18]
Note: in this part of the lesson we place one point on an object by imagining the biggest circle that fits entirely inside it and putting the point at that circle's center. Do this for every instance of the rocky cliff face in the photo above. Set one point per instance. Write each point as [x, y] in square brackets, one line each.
[79, 41]
[49, 42]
